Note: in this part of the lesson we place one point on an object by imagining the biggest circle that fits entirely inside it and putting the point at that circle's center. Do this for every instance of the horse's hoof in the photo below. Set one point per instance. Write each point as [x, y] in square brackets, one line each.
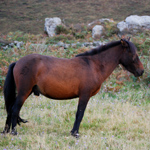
[75, 134]
[4, 132]
[13, 132]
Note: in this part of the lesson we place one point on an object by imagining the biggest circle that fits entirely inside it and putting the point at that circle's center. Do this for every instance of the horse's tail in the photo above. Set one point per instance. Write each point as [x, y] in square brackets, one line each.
[9, 89]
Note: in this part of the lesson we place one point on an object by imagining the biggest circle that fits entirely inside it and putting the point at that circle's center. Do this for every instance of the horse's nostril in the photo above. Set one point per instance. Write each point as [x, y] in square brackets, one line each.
[139, 72]
[142, 72]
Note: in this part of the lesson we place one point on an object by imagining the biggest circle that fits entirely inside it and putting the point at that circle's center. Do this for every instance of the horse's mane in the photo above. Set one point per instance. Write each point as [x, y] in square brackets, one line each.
[99, 49]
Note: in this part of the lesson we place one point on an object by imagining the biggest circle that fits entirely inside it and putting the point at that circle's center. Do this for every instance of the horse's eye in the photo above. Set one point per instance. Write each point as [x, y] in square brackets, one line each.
[135, 58]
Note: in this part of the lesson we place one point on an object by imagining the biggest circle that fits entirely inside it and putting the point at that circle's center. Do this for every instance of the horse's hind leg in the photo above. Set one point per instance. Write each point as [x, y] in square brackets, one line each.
[37, 93]
[7, 124]
[15, 111]
[83, 100]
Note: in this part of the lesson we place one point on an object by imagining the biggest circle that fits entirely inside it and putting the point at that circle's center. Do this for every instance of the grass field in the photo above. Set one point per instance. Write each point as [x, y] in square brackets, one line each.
[117, 118]
[113, 120]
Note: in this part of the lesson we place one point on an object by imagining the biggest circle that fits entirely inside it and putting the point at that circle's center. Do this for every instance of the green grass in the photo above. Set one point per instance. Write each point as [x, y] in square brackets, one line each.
[116, 118]
[120, 122]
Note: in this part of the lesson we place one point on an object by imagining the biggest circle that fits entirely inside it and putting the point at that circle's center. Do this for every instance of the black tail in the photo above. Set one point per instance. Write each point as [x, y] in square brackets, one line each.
[9, 89]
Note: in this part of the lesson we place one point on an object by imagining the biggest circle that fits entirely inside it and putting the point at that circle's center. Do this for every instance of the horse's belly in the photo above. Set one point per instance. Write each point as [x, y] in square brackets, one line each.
[59, 90]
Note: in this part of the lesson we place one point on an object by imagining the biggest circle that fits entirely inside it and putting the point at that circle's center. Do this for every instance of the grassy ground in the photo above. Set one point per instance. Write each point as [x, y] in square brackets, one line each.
[29, 15]
[113, 120]
[117, 118]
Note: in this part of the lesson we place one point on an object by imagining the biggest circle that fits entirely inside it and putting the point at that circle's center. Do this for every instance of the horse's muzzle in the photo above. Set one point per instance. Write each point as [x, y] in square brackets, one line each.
[139, 72]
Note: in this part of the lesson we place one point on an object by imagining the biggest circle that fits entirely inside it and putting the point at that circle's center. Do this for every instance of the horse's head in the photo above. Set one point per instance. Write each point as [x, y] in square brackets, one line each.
[130, 59]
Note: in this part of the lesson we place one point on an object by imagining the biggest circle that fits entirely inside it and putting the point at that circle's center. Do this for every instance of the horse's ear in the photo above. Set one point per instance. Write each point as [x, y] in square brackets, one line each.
[124, 43]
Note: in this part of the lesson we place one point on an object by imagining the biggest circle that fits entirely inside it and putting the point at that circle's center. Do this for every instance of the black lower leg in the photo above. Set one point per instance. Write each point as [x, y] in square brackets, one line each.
[15, 114]
[14, 123]
[75, 130]
[79, 115]
[7, 124]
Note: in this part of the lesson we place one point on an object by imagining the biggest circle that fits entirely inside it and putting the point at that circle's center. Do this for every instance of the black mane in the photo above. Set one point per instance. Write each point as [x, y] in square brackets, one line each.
[99, 49]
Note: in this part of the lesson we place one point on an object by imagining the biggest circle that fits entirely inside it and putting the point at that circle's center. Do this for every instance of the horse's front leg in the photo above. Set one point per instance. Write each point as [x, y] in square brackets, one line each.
[83, 100]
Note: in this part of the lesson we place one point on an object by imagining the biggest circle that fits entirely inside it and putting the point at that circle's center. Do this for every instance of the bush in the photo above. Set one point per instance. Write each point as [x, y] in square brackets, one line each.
[62, 37]
[110, 29]
[60, 29]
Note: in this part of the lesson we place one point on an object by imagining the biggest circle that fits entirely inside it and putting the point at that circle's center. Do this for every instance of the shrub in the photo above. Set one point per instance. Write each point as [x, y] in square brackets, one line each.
[110, 29]
[61, 37]
[60, 29]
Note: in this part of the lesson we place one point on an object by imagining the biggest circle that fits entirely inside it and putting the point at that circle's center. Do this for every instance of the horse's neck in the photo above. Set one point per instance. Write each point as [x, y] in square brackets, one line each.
[108, 61]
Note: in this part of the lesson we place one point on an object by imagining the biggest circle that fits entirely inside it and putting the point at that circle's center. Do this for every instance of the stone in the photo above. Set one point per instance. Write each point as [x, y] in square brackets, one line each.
[73, 45]
[87, 44]
[5, 47]
[51, 24]
[122, 26]
[60, 44]
[100, 21]
[66, 46]
[97, 43]
[97, 31]
[134, 24]
[11, 44]
[18, 44]
[103, 20]
[137, 22]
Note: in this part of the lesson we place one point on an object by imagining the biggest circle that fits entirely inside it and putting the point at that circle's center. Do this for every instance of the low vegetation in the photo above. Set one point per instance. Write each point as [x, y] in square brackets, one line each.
[116, 118]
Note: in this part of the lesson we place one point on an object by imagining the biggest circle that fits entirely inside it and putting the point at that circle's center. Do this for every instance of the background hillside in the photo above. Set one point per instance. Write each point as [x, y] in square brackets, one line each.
[29, 15]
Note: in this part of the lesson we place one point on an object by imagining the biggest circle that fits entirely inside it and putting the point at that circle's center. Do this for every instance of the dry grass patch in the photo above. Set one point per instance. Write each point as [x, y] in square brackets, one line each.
[109, 123]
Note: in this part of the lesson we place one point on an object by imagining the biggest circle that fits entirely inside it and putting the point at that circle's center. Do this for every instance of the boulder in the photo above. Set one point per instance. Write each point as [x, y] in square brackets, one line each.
[51, 24]
[122, 26]
[134, 24]
[97, 31]
[138, 22]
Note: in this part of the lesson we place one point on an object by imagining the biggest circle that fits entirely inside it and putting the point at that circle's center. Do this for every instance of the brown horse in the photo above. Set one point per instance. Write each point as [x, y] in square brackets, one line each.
[58, 78]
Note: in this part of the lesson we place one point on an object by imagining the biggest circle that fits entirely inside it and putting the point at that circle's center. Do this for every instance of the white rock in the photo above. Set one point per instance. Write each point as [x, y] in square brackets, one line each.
[103, 20]
[99, 21]
[97, 30]
[122, 26]
[66, 46]
[134, 23]
[61, 44]
[97, 43]
[51, 24]
[18, 44]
